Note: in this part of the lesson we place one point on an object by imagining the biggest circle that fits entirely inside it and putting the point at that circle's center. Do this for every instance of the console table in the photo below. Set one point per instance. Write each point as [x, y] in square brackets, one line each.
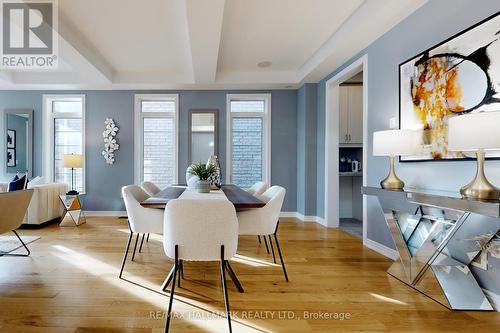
[437, 235]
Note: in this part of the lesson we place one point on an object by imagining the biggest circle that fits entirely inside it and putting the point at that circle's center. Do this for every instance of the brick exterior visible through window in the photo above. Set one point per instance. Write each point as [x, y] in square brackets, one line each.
[248, 117]
[157, 124]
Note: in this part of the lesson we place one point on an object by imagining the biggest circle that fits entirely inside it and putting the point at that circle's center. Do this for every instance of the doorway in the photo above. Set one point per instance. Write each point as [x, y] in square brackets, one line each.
[351, 155]
[346, 148]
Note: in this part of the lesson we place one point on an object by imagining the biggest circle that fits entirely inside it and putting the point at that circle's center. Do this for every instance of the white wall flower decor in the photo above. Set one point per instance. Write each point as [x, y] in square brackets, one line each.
[110, 144]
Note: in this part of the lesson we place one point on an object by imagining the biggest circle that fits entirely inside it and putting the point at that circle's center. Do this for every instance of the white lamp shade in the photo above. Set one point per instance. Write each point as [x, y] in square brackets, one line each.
[474, 131]
[72, 161]
[399, 142]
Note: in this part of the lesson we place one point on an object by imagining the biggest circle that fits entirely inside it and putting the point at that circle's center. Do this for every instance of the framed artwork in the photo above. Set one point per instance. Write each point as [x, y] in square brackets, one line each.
[458, 76]
[11, 138]
[11, 157]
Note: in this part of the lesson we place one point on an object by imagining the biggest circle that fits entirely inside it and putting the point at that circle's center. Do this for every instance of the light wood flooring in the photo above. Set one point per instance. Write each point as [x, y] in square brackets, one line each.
[70, 284]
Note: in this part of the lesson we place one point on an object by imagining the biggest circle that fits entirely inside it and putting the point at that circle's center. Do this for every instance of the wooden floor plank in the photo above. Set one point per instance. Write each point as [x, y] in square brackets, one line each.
[70, 285]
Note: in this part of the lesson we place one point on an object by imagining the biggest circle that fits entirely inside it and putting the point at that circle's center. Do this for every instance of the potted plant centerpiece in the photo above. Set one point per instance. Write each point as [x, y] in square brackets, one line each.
[203, 172]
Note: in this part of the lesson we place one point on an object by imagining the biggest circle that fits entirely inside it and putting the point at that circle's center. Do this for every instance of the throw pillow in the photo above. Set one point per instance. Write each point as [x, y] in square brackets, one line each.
[35, 181]
[18, 184]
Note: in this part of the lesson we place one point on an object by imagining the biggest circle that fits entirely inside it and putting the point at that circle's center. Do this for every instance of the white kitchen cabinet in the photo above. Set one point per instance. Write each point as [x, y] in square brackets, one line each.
[351, 114]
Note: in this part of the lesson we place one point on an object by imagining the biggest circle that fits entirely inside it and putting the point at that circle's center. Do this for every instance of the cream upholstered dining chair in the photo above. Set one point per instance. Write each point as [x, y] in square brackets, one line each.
[200, 230]
[150, 188]
[141, 220]
[13, 207]
[265, 221]
[257, 189]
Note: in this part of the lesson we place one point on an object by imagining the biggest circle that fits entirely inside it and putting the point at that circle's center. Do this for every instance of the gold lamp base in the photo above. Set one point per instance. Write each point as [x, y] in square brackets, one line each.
[480, 188]
[392, 182]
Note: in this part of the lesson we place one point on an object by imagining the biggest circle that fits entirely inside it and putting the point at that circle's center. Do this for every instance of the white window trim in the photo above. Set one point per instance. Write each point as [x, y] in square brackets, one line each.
[266, 116]
[138, 135]
[48, 134]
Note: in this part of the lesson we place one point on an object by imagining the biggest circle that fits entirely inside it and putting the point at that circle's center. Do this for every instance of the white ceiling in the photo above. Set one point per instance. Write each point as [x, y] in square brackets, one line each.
[208, 44]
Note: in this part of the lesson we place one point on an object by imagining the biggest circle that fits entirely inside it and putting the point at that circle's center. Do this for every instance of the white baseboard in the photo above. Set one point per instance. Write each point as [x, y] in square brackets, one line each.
[289, 215]
[493, 298]
[382, 249]
[302, 217]
[105, 213]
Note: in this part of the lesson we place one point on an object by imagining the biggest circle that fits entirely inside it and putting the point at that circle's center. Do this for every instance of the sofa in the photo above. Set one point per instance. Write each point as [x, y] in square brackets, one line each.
[45, 204]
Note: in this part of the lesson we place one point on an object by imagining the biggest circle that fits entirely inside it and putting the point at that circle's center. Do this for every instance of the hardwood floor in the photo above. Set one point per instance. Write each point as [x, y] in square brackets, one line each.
[70, 284]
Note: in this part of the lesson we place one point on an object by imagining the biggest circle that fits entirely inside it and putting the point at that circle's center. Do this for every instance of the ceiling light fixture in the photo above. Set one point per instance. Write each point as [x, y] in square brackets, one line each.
[264, 64]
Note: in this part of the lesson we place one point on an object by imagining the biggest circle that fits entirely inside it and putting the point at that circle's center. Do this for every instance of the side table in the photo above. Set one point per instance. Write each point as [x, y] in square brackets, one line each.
[72, 207]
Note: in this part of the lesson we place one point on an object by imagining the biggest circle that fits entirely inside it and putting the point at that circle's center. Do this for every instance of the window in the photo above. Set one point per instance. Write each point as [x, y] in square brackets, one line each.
[64, 133]
[248, 144]
[156, 139]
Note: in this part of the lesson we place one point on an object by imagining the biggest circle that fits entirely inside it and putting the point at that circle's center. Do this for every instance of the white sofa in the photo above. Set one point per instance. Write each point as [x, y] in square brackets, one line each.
[45, 204]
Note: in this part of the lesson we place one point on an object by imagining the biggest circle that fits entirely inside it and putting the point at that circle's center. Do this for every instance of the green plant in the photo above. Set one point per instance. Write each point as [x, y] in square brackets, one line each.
[202, 170]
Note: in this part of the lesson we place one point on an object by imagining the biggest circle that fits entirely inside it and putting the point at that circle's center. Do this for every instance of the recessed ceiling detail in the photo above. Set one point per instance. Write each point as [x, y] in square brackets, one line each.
[216, 44]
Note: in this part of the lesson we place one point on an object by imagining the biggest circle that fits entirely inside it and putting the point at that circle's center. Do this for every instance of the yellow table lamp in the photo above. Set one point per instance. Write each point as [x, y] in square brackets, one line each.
[73, 161]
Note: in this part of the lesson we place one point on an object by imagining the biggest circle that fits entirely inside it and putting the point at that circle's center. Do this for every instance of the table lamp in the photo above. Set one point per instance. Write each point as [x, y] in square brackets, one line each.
[397, 142]
[476, 132]
[73, 161]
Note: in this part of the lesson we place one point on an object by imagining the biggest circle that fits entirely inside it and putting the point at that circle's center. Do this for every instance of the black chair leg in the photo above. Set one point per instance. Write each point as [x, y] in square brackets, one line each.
[272, 248]
[14, 254]
[258, 236]
[279, 252]
[180, 273]
[126, 253]
[142, 241]
[147, 239]
[265, 242]
[135, 246]
[168, 279]
[173, 289]
[224, 287]
[233, 277]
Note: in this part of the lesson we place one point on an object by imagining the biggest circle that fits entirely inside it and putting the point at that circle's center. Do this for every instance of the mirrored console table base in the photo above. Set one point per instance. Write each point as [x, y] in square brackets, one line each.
[436, 240]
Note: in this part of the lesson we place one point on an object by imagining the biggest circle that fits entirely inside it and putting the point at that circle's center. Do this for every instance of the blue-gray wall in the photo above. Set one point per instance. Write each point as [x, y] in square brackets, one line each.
[431, 24]
[434, 22]
[306, 149]
[104, 181]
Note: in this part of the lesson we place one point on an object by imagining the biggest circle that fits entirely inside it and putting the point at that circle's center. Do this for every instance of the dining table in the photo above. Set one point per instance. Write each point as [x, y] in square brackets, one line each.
[240, 198]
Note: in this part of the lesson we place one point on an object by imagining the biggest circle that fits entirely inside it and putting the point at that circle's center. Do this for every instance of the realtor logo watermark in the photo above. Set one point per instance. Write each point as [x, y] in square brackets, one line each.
[29, 38]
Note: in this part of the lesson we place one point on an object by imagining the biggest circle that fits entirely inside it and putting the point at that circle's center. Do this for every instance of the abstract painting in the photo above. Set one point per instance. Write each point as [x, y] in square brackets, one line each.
[458, 76]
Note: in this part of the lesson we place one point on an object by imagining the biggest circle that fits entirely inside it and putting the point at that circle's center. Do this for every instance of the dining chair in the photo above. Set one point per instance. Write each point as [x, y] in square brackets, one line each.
[257, 189]
[13, 207]
[199, 230]
[265, 221]
[150, 188]
[141, 220]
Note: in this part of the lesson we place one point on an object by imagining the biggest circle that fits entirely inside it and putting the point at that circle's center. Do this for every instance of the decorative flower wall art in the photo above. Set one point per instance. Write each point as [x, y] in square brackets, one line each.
[110, 143]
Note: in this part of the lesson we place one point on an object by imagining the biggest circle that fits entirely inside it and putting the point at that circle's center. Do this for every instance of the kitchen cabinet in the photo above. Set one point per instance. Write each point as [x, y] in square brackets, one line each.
[351, 114]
